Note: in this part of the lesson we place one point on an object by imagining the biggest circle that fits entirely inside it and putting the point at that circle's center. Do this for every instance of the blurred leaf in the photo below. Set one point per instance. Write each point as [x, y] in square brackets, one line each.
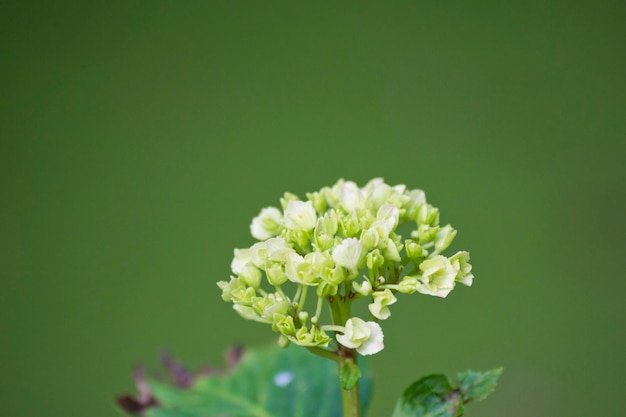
[431, 396]
[478, 385]
[265, 383]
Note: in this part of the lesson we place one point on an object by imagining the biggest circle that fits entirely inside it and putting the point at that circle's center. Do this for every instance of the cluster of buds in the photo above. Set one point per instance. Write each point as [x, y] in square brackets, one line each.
[339, 245]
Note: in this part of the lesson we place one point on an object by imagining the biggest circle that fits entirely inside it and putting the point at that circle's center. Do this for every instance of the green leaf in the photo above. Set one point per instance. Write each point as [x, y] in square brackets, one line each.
[431, 396]
[349, 375]
[478, 385]
[276, 382]
[434, 396]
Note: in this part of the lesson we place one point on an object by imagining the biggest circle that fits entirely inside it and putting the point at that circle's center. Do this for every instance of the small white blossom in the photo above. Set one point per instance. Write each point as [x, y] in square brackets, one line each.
[365, 337]
[437, 277]
[277, 249]
[364, 289]
[302, 270]
[444, 238]
[267, 224]
[241, 260]
[349, 254]
[300, 216]
[388, 215]
[351, 197]
[258, 254]
[460, 261]
[379, 307]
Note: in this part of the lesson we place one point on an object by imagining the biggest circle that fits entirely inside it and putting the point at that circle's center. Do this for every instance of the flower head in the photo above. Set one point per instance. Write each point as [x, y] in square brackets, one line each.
[310, 254]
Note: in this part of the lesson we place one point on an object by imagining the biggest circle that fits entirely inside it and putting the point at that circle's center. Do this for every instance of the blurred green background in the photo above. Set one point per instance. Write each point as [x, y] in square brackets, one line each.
[138, 140]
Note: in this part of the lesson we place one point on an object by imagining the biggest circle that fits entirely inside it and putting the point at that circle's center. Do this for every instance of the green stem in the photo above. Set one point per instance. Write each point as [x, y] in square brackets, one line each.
[302, 298]
[350, 402]
[340, 308]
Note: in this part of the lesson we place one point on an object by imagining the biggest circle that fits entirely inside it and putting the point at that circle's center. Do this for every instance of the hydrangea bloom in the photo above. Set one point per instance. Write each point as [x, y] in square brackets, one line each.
[338, 246]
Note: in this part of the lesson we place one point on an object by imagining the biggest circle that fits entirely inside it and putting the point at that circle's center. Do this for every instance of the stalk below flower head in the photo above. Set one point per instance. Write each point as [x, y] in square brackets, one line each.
[339, 245]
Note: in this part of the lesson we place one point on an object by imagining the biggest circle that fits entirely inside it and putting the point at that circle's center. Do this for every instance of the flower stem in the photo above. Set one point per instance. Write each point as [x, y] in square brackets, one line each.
[350, 402]
[340, 308]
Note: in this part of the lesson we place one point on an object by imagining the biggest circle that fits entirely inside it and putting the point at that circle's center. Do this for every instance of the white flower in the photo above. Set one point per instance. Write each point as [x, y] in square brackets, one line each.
[278, 249]
[438, 276]
[349, 254]
[251, 275]
[392, 252]
[388, 215]
[377, 192]
[460, 261]
[444, 238]
[379, 307]
[300, 216]
[303, 270]
[267, 224]
[258, 254]
[351, 197]
[365, 337]
[364, 289]
[241, 260]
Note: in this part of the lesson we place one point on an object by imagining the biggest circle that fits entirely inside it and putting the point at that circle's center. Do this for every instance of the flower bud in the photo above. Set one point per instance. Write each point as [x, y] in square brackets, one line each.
[444, 238]
[389, 215]
[303, 316]
[408, 285]
[364, 289]
[375, 260]
[251, 275]
[416, 198]
[283, 324]
[350, 224]
[413, 249]
[427, 214]
[369, 239]
[318, 200]
[235, 284]
[276, 274]
[391, 252]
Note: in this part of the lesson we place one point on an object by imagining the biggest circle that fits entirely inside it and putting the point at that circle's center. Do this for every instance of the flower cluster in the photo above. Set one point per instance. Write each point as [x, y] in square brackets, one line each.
[339, 245]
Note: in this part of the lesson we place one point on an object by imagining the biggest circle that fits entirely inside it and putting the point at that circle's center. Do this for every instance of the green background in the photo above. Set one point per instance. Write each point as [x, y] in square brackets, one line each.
[138, 140]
